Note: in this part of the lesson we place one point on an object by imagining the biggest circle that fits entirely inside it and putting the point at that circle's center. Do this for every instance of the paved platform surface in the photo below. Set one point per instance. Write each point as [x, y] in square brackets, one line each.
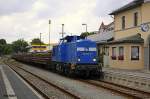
[13, 87]
[139, 73]
[137, 79]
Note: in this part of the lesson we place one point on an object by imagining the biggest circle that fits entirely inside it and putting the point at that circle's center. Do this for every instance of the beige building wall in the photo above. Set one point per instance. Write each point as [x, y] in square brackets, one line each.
[130, 29]
[145, 12]
[127, 63]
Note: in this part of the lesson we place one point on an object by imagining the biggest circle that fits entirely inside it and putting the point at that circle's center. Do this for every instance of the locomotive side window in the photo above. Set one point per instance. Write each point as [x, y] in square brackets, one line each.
[64, 41]
[80, 49]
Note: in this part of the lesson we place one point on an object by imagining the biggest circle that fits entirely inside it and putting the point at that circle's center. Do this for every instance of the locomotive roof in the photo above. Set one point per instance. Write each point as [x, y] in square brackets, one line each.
[71, 38]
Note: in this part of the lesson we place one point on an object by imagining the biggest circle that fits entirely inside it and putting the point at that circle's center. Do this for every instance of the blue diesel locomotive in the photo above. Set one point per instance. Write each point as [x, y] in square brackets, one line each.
[74, 55]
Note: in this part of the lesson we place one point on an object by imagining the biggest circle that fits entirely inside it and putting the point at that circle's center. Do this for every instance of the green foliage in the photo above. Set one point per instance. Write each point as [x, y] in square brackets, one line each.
[85, 34]
[5, 48]
[3, 42]
[36, 41]
[20, 46]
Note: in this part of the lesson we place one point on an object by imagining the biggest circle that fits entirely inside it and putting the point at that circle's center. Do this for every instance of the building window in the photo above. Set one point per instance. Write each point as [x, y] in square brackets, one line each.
[113, 53]
[121, 53]
[135, 53]
[107, 51]
[135, 19]
[123, 22]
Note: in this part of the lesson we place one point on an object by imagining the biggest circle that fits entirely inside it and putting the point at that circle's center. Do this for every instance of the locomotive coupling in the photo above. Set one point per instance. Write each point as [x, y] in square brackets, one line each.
[73, 66]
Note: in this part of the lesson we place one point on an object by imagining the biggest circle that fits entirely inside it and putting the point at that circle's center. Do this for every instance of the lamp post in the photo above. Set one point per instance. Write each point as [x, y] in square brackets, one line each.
[62, 33]
[49, 32]
[62, 30]
[40, 41]
[85, 27]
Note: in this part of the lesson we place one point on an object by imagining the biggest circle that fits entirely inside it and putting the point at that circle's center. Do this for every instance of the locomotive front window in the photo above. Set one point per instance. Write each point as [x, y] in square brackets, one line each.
[86, 49]
[92, 49]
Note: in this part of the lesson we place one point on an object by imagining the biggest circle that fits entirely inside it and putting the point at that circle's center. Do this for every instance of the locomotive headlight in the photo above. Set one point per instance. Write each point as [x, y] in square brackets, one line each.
[78, 59]
[94, 60]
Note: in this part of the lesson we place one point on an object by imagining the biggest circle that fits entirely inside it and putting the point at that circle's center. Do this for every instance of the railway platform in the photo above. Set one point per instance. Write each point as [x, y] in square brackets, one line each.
[14, 87]
[137, 79]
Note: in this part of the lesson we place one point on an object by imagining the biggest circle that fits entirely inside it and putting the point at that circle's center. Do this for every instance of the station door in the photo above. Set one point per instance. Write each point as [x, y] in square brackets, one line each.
[106, 60]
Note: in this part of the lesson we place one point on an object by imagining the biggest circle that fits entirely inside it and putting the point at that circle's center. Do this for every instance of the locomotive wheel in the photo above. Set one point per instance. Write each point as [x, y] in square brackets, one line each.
[87, 73]
[58, 68]
[54, 67]
[66, 72]
[71, 73]
[84, 73]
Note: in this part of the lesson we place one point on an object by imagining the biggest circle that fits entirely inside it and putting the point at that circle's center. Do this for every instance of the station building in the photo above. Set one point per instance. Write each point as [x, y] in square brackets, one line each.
[130, 47]
[124, 43]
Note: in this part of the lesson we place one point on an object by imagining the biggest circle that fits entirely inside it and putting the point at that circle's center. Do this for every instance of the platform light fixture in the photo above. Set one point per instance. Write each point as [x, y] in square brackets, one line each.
[85, 27]
[62, 33]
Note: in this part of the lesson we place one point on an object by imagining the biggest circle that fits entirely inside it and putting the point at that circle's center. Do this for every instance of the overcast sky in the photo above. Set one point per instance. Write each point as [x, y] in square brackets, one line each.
[27, 18]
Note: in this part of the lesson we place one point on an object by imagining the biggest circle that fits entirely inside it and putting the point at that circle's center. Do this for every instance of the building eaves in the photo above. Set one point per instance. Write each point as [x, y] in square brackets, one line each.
[129, 6]
[136, 39]
[100, 37]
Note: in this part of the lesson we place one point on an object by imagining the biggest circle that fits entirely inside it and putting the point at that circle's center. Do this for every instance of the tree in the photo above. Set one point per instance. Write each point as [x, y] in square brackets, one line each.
[7, 49]
[20, 46]
[3, 42]
[2, 46]
[85, 34]
[36, 41]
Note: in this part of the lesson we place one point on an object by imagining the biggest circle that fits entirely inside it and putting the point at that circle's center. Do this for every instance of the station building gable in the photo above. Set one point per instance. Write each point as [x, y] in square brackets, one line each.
[130, 47]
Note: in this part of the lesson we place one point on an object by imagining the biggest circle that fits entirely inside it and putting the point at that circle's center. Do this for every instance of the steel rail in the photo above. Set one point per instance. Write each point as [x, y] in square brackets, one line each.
[138, 94]
[54, 85]
[135, 93]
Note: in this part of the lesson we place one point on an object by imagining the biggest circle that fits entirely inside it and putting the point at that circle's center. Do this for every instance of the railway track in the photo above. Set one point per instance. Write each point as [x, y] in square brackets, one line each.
[119, 89]
[129, 92]
[67, 93]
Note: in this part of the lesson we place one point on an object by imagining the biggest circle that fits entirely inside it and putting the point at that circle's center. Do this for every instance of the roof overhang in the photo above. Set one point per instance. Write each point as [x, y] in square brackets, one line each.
[128, 6]
[134, 39]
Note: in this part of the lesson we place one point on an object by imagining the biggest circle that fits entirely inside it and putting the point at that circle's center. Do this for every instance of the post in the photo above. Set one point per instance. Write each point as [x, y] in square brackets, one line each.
[49, 32]
[62, 30]
[40, 41]
[85, 27]
[62, 33]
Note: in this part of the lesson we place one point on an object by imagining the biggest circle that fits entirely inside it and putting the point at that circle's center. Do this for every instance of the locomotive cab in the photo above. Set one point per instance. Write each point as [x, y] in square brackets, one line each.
[86, 52]
[87, 62]
[75, 55]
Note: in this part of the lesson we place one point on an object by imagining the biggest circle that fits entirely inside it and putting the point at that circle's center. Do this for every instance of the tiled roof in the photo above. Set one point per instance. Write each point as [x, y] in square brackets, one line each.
[131, 39]
[105, 26]
[129, 6]
[101, 37]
